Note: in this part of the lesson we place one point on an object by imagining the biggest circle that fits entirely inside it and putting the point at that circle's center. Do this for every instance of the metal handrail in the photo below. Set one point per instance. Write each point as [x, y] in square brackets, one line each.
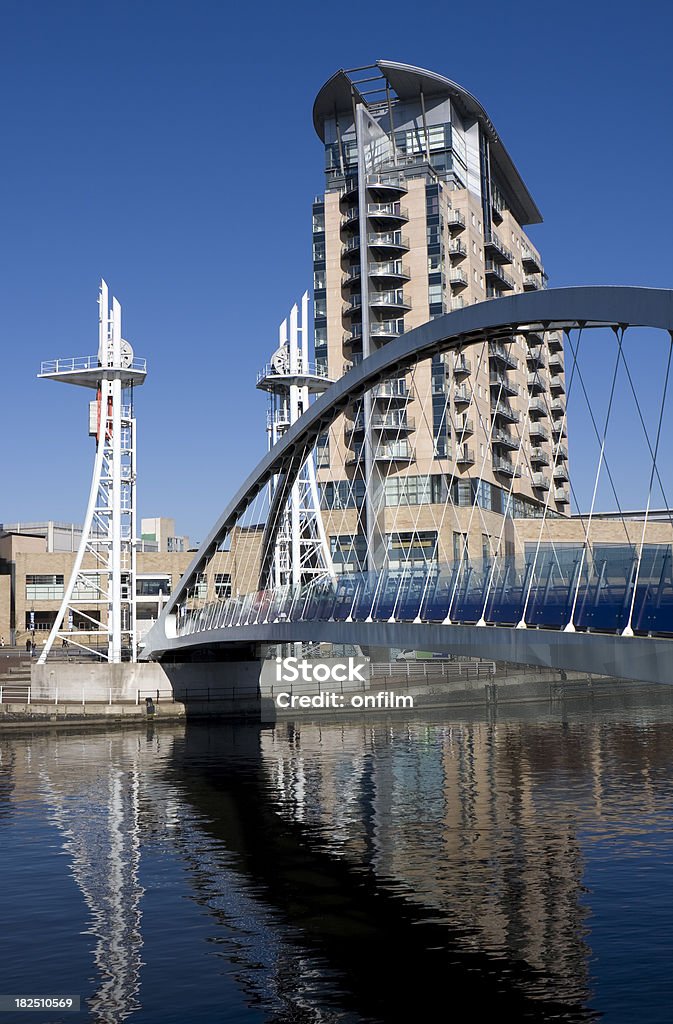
[72, 363]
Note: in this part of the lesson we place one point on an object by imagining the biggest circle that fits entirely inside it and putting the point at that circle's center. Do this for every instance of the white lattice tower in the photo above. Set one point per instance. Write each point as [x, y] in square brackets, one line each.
[301, 551]
[104, 570]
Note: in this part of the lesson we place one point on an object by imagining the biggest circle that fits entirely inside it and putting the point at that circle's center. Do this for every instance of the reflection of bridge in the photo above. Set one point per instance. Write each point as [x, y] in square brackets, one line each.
[568, 593]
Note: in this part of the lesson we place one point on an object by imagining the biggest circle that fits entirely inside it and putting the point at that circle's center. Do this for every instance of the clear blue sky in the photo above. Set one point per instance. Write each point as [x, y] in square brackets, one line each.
[169, 147]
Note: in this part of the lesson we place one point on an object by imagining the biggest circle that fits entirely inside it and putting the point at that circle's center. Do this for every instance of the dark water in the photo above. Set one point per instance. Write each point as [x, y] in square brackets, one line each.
[518, 867]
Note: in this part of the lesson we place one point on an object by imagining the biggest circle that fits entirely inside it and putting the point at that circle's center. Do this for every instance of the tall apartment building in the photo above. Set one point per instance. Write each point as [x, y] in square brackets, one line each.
[423, 213]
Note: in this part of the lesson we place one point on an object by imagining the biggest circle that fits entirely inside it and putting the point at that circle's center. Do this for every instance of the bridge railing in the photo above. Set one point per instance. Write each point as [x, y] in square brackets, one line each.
[555, 588]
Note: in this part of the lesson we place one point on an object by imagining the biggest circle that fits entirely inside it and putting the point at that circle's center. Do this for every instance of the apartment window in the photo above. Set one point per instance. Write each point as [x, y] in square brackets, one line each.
[349, 552]
[318, 220]
[44, 587]
[412, 550]
[199, 591]
[320, 303]
[153, 587]
[434, 293]
[460, 549]
[485, 548]
[322, 452]
[223, 585]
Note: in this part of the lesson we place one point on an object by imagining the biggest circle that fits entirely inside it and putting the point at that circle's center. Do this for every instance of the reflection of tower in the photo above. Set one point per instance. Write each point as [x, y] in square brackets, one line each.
[301, 550]
[99, 818]
[109, 533]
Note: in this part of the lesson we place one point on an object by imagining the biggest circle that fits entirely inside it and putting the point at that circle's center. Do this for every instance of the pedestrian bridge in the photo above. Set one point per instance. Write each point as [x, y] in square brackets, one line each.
[591, 593]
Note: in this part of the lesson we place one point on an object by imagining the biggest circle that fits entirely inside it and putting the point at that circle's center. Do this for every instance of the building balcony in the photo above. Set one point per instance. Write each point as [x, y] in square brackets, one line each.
[388, 241]
[560, 452]
[351, 245]
[464, 455]
[558, 430]
[557, 384]
[499, 354]
[555, 341]
[533, 282]
[536, 357]
[538, 432]
[353, 341]
[502, 383]
[540, 481]
[556, 364]
[532, 263]
[391, 270]
[462, 367]
[386, 330]
[392, 391]
[504, 439]
[455, 221]
[561, 473]
[536, 383]
[395, 301]
[353, 306]
[534, 338]
[505, 466]
[497, 207]
[457, 250]
[349, 192]
[397, 451]
[391, 214]
[537, 407]
[558, 408]
[395, 422]
[350, 218]
[458, 280]
[539, 456]
[497, 252]
[462, 395]
[505, 412]
[561, 496]
[387, 186]
[497, 276]
[464, 427]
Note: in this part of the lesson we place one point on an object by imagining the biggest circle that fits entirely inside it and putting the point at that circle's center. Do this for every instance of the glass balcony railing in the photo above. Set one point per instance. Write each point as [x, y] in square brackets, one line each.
[505, 412]
[495, 271]
[388, 240]
[501, 254]
[539, 456]
[505, 466]
[501, 382]
[504, 438]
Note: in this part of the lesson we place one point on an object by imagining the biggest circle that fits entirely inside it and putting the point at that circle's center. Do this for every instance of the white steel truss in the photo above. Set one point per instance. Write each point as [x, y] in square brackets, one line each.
[302, 551]
[104, 572]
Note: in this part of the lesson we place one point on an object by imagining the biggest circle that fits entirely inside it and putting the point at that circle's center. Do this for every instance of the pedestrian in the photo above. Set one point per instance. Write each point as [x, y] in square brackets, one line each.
[28, 646]
[33, 648]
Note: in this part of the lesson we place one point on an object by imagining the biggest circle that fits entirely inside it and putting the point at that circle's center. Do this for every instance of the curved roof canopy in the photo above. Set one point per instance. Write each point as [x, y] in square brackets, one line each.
[407, 82]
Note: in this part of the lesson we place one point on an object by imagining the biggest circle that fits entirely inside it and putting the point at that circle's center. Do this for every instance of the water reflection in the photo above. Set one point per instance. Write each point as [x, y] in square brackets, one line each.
[350, 872]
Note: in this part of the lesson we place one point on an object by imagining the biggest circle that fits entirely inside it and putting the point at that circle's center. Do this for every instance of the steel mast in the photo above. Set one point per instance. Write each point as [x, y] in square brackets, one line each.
[104, 570]
[302, 550]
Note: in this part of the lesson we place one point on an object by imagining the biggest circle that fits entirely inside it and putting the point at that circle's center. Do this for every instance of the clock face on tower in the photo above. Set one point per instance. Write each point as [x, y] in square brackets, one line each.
[126, 354]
